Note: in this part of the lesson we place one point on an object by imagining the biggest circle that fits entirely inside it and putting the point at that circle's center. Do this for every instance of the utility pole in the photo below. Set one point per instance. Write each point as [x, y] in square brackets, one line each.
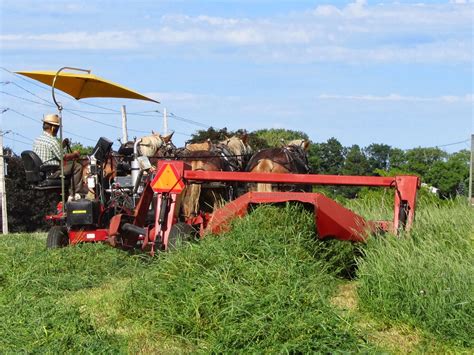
[3, 194]
[471, 173]
[124, 125]
[165, 122]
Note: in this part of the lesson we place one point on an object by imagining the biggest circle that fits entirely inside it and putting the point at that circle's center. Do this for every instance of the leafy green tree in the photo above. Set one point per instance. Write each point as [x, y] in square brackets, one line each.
[356, 163]
[397, 158]
[450, 176]
[378, 156]
[274, 136]
[84, 150]
[420, 160]
[327, 158]
[216, 135]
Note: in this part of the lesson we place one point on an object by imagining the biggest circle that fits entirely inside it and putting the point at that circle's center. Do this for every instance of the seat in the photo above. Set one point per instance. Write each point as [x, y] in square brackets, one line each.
[38, 174]
[126, 150]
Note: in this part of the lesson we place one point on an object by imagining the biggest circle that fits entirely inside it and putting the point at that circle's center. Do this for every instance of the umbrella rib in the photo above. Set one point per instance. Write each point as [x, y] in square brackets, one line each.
[82, 89]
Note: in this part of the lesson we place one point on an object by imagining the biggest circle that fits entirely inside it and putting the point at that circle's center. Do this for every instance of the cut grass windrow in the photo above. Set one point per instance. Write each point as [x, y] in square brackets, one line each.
[266, 286]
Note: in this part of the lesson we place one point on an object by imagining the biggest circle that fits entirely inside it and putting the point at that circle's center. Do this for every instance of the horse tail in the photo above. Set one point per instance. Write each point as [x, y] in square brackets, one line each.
[264, 166]
[261, 187]
[191, 200]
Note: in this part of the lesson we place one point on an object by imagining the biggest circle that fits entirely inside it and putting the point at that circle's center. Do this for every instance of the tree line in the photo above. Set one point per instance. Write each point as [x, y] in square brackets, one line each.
[449, 173]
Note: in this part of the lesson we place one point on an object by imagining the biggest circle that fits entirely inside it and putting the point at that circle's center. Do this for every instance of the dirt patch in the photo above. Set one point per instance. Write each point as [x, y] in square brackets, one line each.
[101, 305]
[346, 297]
[397, 339]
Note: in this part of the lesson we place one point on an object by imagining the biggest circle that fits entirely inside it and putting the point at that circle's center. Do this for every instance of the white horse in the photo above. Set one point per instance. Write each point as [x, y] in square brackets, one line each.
[150, 145]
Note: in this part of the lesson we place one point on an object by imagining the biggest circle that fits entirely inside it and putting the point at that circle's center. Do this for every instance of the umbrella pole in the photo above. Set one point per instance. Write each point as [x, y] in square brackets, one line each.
[60, 109]
[63, 197]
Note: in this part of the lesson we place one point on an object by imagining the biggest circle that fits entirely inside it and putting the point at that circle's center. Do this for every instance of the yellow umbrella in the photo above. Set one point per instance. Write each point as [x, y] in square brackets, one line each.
[81, 86]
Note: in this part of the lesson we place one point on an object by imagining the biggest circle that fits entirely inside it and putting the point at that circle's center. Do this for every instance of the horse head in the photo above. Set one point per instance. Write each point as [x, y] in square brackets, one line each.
[203, 146]
[300, 143]
[156, 145]
[239, 147]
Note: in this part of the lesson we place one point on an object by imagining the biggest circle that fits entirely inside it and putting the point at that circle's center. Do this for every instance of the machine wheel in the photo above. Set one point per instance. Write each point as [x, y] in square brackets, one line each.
[57, 237]
[180, 234]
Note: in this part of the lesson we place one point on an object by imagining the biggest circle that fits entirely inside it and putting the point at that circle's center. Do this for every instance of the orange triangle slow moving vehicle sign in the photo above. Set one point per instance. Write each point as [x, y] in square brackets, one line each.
[167, 180]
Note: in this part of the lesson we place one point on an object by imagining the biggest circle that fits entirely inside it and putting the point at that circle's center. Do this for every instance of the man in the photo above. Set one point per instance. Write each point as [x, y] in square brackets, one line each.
[47, 147]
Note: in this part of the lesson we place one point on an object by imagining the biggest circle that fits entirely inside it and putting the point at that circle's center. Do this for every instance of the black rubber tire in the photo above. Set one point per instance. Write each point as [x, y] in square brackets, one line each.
[181, 233]
[57, 237]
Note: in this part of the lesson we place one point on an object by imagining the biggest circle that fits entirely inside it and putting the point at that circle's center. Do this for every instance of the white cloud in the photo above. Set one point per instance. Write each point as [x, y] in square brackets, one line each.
[358, 32]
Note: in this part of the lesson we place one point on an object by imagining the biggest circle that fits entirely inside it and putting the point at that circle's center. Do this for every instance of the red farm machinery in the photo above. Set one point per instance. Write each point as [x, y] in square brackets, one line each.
[146, 214]
[143, 213]
[162, 190]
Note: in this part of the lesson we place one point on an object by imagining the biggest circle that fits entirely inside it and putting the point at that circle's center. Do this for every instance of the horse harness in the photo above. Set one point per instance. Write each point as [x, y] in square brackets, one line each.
[295, 159]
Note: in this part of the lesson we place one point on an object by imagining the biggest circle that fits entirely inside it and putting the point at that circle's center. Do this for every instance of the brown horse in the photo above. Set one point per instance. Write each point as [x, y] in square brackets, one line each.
[292, 158]
[228, 155]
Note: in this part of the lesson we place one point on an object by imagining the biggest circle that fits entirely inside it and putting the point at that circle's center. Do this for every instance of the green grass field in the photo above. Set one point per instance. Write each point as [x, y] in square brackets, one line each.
[267, 286]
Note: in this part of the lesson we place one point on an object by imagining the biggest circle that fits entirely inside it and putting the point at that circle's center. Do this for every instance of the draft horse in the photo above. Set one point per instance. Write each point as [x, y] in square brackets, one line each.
[230, 154]
[291, 158]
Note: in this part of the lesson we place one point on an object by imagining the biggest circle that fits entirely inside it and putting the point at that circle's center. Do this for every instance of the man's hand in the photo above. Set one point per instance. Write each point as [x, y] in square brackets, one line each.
[71, 156]
[66, 142]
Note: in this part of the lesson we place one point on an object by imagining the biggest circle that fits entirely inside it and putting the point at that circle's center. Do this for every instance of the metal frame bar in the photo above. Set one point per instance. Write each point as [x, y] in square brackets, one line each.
[279, 178]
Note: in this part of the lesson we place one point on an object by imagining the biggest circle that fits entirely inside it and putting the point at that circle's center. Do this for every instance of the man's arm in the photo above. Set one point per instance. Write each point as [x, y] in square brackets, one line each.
[56, 149]
[72, 156]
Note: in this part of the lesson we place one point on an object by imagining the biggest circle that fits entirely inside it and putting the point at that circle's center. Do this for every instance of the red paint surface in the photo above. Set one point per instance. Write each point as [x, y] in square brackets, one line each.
[86, 236]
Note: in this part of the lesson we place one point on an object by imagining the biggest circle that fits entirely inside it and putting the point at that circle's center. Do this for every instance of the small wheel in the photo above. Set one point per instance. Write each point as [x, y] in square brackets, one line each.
[57, 237]
[180, 233]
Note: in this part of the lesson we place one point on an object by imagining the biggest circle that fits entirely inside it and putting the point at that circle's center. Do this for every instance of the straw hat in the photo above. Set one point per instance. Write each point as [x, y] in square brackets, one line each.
[52, 119]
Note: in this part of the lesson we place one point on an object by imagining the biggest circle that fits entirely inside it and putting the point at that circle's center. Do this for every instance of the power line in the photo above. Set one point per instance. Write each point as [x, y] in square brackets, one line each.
[20, 135]
[49, 104]
[460, 142]
[68, 110]
[17, 140]
[75, 111]
[143, 113]
[22, 114]
[182, 133]
[91, 119]
[29, 92]
[179, 118]
[39, 121]
[25, 99]
[104, 124]
[171, 114]
[72, 111]
[59, 94]
[94, 112]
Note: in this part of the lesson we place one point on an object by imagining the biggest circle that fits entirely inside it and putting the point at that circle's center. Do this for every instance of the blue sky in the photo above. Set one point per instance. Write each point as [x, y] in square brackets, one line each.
[399, 73]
